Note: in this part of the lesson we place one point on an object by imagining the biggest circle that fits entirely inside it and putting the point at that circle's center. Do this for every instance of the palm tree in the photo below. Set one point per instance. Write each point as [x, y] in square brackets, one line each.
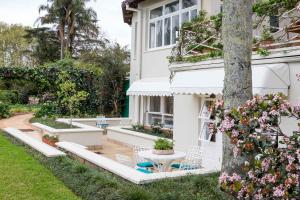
[72, 20]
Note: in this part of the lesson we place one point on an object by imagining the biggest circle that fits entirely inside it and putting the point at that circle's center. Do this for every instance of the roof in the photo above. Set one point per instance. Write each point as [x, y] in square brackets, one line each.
[127, 14]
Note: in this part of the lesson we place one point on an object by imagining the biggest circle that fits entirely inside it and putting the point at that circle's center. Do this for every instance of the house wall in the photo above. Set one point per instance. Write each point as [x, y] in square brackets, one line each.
[148, 63]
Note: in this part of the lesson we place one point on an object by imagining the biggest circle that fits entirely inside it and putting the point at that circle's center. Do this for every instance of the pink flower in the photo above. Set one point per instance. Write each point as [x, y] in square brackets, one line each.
[234, 133]
[227, 124]
[265, 164]
[223, 178]
[278, 191]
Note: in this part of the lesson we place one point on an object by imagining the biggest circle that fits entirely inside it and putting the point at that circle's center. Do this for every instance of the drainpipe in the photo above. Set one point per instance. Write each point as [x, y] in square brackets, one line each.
[139, 53]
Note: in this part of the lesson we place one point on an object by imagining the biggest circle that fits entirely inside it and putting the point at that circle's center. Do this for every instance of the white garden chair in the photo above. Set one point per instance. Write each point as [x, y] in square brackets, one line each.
[141, 162]
[101, 122]
[193, 160]
[126, 160]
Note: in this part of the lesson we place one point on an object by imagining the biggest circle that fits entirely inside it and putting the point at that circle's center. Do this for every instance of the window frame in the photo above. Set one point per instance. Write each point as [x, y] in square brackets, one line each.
[205, 121]
[162, 18]
[163, 115]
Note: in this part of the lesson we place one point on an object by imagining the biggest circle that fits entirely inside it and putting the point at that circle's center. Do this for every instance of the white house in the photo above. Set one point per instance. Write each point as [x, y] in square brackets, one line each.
[182, 101]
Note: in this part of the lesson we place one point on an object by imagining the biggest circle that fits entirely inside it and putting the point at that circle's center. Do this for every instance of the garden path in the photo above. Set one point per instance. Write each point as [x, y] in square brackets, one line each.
[21, 122]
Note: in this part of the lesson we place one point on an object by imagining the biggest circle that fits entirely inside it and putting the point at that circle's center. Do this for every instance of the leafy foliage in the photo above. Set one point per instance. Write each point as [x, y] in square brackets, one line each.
[272, 166]
[4, 110]
[14, 48]
[9, 96]
[273, 7]
[163, 144]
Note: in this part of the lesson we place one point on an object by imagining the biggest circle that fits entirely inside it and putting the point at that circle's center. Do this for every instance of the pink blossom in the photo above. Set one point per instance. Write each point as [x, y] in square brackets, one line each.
[265, 164]
[223, 178]
[234, 133]
[227, 124]
[278, 191]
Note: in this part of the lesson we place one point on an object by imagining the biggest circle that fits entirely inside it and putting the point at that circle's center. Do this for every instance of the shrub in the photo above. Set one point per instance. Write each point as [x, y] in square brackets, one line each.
[4, 110]
[272, 158]
[48, 109]
[9, 96]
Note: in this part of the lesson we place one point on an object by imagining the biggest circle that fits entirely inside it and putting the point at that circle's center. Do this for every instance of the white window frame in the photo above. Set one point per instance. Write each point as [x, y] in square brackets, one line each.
[162, 113]
[163, 17]
[205, 120]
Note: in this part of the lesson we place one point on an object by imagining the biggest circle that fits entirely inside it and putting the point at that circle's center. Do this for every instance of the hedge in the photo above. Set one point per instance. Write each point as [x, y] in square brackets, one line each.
[92, 184]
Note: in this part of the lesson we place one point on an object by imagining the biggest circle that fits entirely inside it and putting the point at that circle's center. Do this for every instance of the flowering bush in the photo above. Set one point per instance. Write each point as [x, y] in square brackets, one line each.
[272, 166]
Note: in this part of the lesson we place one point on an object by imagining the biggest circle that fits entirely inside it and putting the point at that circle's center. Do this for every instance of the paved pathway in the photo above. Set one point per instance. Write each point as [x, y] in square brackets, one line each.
[18, 121]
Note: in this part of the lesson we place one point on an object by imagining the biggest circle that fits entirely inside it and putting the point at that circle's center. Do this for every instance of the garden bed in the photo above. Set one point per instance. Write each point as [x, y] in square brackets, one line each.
[90, 183]
[52, 123]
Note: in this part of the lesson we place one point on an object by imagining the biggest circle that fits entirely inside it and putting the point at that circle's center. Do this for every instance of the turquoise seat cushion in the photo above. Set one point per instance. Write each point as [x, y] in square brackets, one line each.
[185, 167]
[145, 164]
[144, 171]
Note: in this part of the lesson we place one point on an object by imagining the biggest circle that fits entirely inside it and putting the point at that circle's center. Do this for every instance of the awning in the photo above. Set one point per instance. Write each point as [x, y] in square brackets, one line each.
[151, 87]
[266, 79]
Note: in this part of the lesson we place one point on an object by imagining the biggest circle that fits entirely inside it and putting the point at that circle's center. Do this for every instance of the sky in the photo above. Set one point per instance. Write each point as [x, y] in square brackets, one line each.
[109, 13]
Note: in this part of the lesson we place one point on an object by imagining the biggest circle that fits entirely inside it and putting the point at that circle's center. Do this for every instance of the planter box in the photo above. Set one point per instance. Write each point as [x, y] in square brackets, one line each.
[49, 142]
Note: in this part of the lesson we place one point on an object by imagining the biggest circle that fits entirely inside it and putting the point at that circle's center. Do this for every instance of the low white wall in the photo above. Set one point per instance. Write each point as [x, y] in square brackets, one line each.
[84, 135]
[92, 121]
[129, 137]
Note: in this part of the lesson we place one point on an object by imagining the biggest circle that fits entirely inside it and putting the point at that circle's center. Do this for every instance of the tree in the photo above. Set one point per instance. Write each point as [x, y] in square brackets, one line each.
[46, 44]
[237, 41]
[14, 48]
[74, 22]
[113, 61]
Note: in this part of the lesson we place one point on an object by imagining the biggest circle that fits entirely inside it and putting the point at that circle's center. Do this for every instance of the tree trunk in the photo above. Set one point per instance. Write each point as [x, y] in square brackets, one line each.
[237, 39]
[62, 40]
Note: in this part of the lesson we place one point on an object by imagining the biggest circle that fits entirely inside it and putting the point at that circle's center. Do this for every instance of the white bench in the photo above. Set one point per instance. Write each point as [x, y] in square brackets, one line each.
[122, 170]
[45, 149]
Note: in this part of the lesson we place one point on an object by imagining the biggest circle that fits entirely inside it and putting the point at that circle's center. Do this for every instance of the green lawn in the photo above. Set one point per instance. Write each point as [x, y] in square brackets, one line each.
[23, 177]
[52, 123]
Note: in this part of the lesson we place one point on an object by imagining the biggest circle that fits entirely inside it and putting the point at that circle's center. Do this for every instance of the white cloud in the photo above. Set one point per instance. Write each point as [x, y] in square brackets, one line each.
[109, 14]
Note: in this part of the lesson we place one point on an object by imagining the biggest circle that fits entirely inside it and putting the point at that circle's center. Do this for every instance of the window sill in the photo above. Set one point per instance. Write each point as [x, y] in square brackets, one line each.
[159, 48]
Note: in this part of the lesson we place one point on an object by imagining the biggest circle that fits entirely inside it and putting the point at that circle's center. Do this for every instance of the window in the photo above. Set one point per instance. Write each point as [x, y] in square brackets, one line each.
[154, 104]
[165, 21]
[160, 110]
[206, 120]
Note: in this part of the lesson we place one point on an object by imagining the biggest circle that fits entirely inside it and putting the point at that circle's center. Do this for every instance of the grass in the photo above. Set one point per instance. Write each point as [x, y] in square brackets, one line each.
[24, 108]
[51, 122]
[23, 177]
[89, 183]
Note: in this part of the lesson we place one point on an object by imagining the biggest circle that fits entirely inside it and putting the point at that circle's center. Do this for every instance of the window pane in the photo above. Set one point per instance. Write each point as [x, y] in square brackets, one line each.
[154, 104]
[159, 33]
[188, 3]
[193, 14]
[185, 17]
[175, 28]
[167, 31]
[152, 35]
[169, 105]
[157, 12]
[172, 7]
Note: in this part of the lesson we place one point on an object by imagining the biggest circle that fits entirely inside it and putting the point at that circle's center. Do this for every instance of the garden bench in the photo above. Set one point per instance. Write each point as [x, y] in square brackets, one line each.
[41, 147]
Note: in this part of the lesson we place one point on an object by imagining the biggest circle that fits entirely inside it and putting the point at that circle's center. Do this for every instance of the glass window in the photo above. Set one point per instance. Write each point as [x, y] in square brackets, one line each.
[194, 14]
[167, 31]
[172, 7]
[169, 105]
[188, 3]
[152, 35]
[175, 28]
[185, 17]
[157, 12]
[159, 29]
[154, 104]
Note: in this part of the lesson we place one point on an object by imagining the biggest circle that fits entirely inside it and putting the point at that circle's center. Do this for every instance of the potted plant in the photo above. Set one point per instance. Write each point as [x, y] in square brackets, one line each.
[50, 140]
[266, 37]
[163, 147]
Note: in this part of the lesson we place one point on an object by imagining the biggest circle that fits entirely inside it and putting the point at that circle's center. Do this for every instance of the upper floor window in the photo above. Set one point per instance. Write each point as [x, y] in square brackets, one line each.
[165, 21]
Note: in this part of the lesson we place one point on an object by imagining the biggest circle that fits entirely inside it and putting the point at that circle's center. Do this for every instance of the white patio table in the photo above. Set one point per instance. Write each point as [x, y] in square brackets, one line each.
[161, 161]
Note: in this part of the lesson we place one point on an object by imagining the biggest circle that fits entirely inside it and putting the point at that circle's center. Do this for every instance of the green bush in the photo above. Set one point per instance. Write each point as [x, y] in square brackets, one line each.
[4, 110]
[163, 144]
[9, 96]
[48, 109]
